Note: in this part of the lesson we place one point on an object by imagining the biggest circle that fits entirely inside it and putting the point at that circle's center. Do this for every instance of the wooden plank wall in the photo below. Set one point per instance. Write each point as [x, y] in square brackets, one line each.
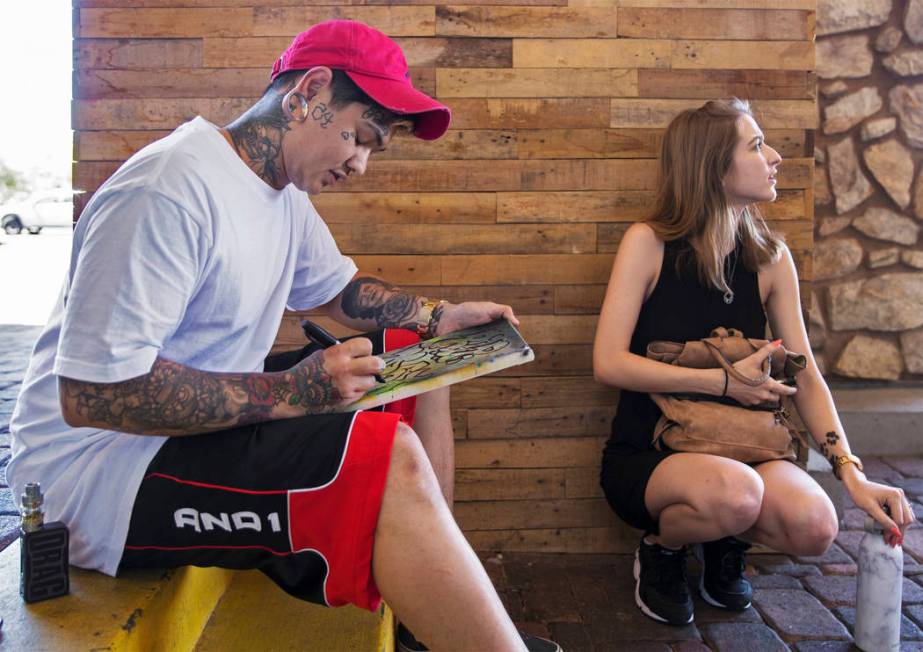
[558, 110]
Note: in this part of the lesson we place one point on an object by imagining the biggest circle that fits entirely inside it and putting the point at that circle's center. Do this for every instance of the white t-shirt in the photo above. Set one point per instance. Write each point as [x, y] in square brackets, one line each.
[184, 253]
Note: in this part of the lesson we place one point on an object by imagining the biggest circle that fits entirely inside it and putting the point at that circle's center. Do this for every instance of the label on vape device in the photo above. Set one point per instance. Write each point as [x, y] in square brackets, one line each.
[44, 570]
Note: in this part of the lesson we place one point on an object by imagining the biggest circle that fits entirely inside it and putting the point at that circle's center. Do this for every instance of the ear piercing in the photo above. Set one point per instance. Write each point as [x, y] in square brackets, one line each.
[295, 101]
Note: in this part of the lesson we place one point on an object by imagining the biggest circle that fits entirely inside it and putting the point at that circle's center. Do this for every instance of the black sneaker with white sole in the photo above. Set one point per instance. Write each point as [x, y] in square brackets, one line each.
[661, 591]
[723, 583]
[406, 642]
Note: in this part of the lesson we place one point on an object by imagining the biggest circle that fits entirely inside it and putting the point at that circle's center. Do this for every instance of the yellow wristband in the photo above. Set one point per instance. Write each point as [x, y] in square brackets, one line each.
[426, 317]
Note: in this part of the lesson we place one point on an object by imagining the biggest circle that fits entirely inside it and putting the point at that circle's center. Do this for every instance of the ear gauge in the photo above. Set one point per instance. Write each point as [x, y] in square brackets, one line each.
[295, 106]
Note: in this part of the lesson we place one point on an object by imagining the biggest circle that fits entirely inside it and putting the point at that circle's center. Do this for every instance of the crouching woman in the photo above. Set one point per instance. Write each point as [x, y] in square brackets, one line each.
[705, 259]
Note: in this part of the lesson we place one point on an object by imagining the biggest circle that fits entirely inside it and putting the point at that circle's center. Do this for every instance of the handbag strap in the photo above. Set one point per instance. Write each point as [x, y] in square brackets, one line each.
[732, 370]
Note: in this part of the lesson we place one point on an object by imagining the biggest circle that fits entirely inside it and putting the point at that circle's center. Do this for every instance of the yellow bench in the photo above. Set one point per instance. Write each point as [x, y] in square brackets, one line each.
[204, 609]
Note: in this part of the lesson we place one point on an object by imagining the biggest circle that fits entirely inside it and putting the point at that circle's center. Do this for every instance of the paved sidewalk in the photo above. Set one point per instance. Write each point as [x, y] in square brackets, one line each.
[586, 602]
[15, 347]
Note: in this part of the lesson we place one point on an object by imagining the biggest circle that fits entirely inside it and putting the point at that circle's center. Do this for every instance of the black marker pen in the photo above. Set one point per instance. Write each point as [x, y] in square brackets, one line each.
[325, 339]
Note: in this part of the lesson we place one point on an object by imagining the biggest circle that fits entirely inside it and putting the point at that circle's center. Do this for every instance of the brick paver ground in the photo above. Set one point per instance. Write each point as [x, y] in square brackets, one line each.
[807, 604]
[15, 347]
[586, 602]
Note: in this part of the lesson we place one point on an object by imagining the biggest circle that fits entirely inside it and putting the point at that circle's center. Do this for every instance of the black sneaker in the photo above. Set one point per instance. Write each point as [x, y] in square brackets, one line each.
[723, 583]
[661, 591]
[407, 643]
[537, 644]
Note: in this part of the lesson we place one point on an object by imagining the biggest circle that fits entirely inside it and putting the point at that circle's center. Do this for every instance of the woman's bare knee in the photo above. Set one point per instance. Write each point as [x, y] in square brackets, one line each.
[736, 499]
[811, 528]
[724, 494]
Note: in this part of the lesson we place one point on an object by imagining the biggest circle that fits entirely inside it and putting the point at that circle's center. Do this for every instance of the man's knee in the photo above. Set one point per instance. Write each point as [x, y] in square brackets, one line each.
[736, 499]
[410, 472]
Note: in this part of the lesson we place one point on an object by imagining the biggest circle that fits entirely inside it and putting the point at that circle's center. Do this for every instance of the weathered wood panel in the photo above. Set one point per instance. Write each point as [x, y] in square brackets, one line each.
[615, 538]
[709, 84]
[588, 143]
[467, 144]
[564, 392]
[578, 206]
[486, 176]
[755, 55]
[260, 52]
[284, 3]
[591, 53]
[536, 82]
[715, 4]
[657, 53]
[723, 24]
[530, 22]
[462, 239]
[540, 422]
[509, 484]
[539, 268]
[578, 299]
[528, 514]
[407, 208]
[582, 483]
[393, 20]
[544, 453]
[558, 112]
[555, 359]
[771, 114]
[163, 23]
[134, 53]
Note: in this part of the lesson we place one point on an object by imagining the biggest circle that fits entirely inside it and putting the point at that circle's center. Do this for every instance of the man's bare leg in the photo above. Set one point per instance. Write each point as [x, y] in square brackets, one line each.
[433, 423]
[424, 567]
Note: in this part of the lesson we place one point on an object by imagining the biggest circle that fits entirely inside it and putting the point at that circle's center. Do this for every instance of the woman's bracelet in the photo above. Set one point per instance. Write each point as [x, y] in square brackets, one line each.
[724, 392]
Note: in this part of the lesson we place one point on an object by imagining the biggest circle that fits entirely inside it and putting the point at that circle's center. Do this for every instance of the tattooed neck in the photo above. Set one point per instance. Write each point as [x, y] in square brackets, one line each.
[257, 136]
[385, 304]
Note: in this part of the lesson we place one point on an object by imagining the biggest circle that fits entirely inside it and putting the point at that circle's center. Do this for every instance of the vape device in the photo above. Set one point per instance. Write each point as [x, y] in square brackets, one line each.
[43, 561]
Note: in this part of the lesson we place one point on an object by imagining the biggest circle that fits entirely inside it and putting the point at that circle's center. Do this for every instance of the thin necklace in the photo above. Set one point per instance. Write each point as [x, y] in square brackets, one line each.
[729, 295]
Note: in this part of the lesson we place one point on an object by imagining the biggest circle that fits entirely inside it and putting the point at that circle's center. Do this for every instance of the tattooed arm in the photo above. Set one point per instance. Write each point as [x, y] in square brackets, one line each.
[814, 402]
[369, 303]
[175, 400]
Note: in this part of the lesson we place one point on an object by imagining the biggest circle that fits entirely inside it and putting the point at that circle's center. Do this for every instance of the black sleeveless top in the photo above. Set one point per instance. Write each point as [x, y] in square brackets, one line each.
[680, 308]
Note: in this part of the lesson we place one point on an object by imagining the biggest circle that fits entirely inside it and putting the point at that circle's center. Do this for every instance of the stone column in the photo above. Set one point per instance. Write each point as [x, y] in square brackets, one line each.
[866, 317]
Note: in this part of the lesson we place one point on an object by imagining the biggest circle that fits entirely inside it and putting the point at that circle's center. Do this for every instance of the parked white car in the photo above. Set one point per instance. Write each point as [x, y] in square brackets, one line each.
[34, 212]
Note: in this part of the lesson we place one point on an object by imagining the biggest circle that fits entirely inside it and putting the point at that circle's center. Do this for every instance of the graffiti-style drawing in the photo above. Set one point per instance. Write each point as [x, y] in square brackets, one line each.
[447, 359]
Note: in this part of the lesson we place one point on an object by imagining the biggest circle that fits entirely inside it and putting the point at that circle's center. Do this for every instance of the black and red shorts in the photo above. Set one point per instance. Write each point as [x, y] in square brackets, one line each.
[297, 499]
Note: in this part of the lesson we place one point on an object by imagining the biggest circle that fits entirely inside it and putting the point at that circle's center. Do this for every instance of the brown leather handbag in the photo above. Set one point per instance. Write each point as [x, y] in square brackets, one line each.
[699, 423]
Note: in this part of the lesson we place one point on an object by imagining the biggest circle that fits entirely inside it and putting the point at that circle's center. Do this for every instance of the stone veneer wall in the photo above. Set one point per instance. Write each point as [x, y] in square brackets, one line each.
[866, 316]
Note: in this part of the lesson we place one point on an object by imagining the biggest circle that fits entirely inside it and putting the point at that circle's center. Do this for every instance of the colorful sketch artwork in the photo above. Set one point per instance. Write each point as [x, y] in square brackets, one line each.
[447, 359]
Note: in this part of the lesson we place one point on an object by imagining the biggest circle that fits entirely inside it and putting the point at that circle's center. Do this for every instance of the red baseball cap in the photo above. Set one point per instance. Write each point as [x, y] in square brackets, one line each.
[374, 62]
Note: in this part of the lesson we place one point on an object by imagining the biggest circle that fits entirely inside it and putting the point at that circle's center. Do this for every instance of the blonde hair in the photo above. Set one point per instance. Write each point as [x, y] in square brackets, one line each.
[691, 203]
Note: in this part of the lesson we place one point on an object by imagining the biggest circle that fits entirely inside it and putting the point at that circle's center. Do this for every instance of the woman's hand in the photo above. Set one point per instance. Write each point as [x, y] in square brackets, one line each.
[456, 316]
[752, 367]
[872, 497]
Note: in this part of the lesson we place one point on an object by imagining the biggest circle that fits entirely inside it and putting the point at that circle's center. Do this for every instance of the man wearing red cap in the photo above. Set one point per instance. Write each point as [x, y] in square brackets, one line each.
[183, 263]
